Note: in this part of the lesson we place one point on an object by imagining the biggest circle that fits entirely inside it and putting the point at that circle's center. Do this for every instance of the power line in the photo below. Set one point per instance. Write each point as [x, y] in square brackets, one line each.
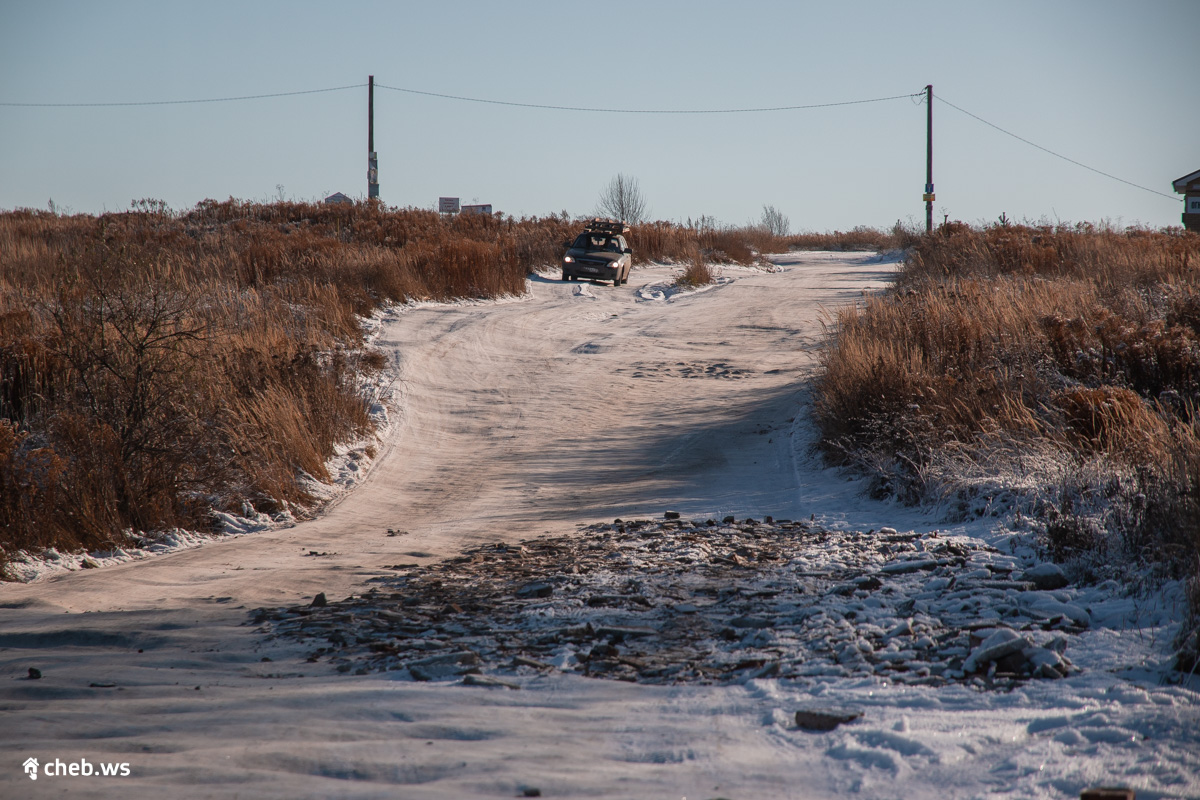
[916, 96]
[184, 102]
[1056, 155]
[643, 110]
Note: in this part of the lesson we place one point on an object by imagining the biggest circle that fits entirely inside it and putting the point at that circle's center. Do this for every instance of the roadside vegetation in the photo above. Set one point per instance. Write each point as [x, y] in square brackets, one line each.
[1053, 371]
[696, 272]
[156, 365]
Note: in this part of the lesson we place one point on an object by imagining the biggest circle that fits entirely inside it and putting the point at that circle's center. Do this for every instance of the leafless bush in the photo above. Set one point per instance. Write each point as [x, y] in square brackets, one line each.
[776, 222]
[697, 272]
[623, 200]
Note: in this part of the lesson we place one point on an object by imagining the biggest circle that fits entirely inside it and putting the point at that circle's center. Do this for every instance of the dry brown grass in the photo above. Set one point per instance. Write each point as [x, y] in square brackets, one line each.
[1018, 330]
[696, 272]
[156, 365]
[1087, 339]
[860, 238]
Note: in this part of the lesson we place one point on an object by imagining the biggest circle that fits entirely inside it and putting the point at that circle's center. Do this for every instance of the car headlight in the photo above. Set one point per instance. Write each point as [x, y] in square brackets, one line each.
[568, 260]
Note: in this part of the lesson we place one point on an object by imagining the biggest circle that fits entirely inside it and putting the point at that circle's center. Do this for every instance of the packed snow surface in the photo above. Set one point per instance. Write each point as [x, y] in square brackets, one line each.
[486, 627]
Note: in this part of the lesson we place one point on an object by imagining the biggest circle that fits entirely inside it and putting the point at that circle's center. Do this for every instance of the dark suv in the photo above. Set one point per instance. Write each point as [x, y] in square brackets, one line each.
[599, 253]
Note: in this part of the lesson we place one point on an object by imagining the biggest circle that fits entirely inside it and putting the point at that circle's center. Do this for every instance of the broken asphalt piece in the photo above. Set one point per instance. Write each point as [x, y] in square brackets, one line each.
[319, 601]
[906, 567]
[1107, 793]
[1046, 577]
[489, 682]
[658, 602]
[824, 719]
[1003, 642]
[522, 661]
[445, 665]
[34, 673]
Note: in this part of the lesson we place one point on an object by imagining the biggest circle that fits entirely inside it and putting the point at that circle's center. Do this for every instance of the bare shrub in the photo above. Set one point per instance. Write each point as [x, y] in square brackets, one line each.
[697, 272]
[623, 200]
[776, 222]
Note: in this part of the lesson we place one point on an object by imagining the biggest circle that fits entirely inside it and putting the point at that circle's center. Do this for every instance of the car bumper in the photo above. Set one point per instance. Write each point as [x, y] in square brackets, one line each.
[600, 271]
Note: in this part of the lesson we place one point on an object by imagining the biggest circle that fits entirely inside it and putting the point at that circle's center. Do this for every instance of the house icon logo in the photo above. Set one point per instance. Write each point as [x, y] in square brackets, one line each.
[31, 768]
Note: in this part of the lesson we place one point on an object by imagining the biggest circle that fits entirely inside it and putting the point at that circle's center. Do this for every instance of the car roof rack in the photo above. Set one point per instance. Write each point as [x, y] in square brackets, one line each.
[609, 226]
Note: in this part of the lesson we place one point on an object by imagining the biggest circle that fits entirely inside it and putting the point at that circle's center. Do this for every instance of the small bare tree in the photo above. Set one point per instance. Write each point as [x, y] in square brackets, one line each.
[623, 200]
[776, 221]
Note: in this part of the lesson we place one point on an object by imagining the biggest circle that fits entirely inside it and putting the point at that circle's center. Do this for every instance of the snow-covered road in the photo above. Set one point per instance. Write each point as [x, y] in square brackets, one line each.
[574, 405]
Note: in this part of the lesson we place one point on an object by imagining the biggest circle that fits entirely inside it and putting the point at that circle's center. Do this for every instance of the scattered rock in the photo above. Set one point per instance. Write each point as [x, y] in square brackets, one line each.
[656, 601]
[34, 674]
[1107, 793]
[319, 601]
[535, 590]
[89, 564]
[522, 661]
[824, 719]
[1046, 577]
[671, 515]
[1002, 643]
[445, 665]
[906, 567]
[491, 683]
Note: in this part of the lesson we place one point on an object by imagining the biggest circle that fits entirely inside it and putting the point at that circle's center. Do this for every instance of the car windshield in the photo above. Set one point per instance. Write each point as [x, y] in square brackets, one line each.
[597, 241]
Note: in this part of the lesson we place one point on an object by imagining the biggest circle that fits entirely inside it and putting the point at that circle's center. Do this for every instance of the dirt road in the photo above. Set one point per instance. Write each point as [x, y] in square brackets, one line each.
[575, 404]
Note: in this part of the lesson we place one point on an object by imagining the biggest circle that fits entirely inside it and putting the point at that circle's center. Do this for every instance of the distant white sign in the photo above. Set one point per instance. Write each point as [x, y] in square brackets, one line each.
[485, 208]
[448, 205]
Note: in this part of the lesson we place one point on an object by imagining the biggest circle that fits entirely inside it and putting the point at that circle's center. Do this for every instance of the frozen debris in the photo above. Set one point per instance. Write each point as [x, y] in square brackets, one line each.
[678, 601]
[1107, 793]
[824, 719]
[443, 665]
[1046, 577]
[491, 683]
[1002, 643]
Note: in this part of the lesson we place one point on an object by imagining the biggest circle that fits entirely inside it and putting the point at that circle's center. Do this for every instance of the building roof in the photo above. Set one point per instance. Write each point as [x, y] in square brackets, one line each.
[1181, 184]
[338, 197]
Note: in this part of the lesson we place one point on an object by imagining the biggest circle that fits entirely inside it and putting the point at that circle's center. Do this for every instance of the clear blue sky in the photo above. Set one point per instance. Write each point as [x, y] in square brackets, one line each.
[1109, 84]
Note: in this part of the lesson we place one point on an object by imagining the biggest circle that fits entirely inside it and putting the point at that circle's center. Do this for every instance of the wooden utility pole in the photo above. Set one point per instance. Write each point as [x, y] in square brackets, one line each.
[928, 197]
[372, 158]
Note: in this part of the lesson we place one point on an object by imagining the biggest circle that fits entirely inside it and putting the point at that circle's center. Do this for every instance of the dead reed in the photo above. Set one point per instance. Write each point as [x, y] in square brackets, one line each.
[696, 272]
[1081, 337]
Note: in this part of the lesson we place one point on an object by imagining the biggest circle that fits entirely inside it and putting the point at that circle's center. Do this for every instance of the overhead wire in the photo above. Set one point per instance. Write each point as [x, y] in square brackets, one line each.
[184, 102]
[600, 110]
[1051, 152]
[915, 96]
